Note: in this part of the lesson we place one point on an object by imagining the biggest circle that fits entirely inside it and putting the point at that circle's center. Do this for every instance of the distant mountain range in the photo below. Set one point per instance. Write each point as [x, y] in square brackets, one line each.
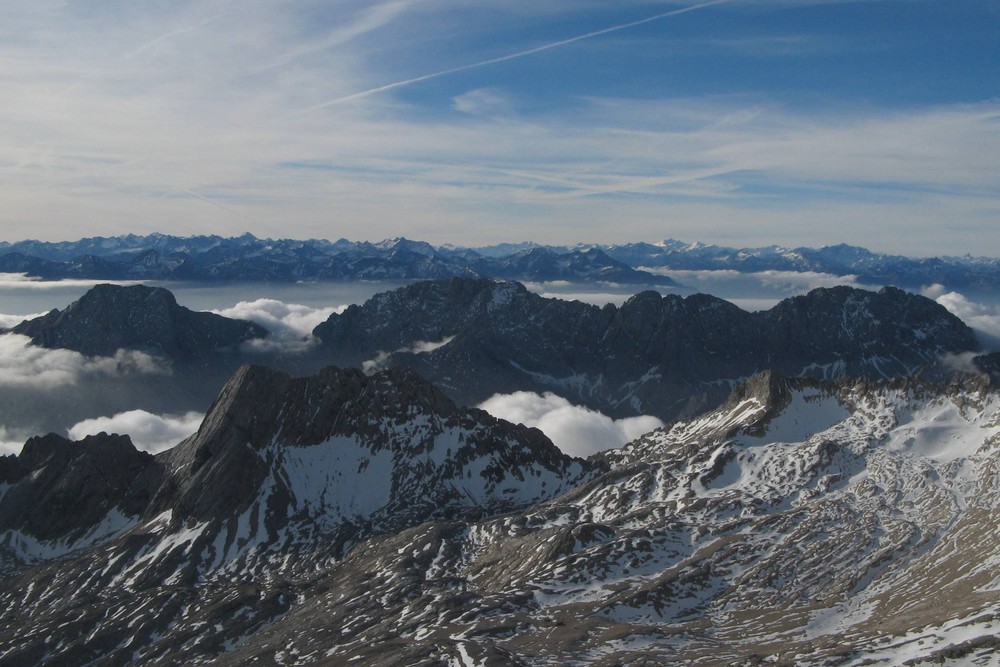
[247, 258]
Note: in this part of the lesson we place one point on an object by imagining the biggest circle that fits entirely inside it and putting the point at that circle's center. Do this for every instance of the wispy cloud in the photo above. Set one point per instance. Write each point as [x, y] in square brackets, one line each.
[419, 347]
[524, 53]
[185, 119]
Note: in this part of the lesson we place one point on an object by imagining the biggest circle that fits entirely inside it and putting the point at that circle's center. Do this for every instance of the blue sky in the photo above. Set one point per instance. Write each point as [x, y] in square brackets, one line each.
[740, 122]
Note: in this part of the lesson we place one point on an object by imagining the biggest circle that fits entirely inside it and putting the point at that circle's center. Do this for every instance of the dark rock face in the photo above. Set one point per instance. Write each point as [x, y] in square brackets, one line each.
[221, 469]
[60, 488]
[111, 317]
[664, 355]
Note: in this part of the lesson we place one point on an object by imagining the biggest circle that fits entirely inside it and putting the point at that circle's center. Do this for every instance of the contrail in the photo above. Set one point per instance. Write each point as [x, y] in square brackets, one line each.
[510, 56]
[210, 201]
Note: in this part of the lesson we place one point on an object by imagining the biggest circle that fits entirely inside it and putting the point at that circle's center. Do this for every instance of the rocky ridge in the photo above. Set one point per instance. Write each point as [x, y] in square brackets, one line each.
[283, 476]
[164, 257]
[246, 258]
[664, 355]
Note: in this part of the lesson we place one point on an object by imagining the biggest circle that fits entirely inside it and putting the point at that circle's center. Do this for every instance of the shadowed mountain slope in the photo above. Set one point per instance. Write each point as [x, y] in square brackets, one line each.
[664, 355]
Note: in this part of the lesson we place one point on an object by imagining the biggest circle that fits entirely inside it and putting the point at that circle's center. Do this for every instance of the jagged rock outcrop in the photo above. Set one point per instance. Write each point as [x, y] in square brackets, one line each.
[664, 355]
[420, 448]
[59, 490]
[112, 317]
[284, 475]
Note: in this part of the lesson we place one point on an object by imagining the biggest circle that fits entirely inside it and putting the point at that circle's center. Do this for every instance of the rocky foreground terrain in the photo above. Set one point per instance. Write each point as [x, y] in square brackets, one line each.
[345, 519]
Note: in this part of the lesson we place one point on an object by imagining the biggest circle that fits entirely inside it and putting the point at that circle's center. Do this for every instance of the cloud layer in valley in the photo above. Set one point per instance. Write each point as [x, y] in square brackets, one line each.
[289, 324]
[28, 366]
[149, 432]
[576, 430]
[983, 318]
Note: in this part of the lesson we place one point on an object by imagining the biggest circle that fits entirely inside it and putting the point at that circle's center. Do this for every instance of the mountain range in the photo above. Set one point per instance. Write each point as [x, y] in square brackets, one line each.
[163, 257]
[344, 518]
[824, 491]
[667, 356]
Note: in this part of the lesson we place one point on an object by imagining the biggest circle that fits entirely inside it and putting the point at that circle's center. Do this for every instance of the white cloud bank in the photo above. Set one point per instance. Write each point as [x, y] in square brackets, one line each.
[982, 318]
[11, 321]
[149, 432]
[576, 430]
[23, 281]
[23, 365]
[290, 324]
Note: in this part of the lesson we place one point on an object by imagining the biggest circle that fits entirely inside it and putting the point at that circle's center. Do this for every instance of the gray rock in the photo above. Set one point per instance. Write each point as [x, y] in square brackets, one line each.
[664, 355]
[112, 317]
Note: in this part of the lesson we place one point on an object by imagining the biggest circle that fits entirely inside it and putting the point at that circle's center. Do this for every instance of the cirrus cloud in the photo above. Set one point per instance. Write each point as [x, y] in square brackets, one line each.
[576, 430]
